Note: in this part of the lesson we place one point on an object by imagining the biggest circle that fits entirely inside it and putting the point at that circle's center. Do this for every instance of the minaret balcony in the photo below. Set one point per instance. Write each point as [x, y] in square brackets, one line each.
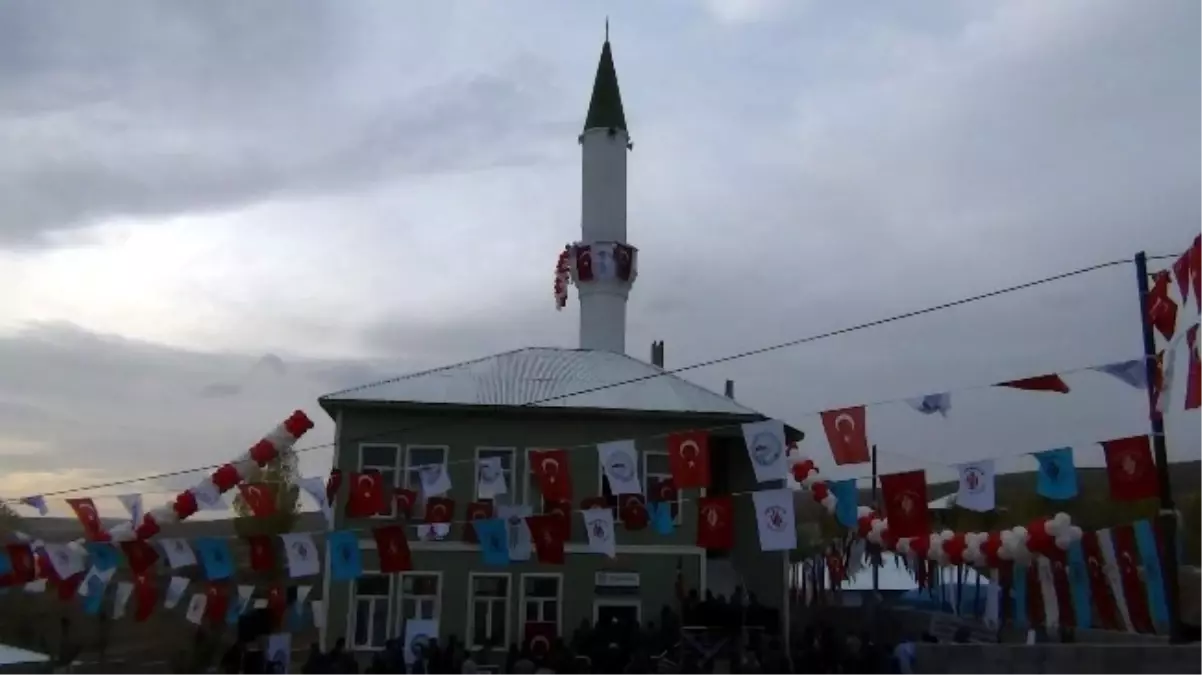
[611, 262]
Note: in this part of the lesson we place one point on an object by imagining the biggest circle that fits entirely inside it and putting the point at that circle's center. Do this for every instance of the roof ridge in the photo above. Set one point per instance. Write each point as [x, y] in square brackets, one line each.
[672, 374]
[421, 373]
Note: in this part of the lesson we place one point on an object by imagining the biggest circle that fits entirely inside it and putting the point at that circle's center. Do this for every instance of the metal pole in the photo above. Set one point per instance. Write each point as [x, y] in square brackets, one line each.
[1168, 512]
[876, 552]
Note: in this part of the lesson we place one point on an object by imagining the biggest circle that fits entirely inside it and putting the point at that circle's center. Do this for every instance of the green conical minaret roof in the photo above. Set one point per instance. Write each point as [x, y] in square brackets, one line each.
[605, 106]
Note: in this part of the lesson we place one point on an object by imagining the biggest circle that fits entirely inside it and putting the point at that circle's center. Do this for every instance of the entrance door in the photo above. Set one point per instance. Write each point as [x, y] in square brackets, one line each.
[617, 620]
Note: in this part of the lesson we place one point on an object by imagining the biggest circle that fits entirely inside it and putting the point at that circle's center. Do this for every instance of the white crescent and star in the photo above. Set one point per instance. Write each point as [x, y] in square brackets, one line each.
[552, 472]
[87, 512]
[370, 483]
[851, 423]
[686, 445]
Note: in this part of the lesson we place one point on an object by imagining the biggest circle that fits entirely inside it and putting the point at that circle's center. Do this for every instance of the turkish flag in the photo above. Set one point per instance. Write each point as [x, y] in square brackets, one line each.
[393, 549]
[1181, 271]
[1157, 384]
[332, 484]
[85, 510]
[846, 433]
[439, 509]
[539, 636]
[1038, 383]
[716, 523]
[623, 261]
[664, 490]
[277, 603]
[217, 602]
[184, 505]
[1127, 556]
[1099, 586]
[141, 556]
[1130, 469]
[147, 528]
[1035, 608]
[1162, 311]
[480, 510]
[584, 263]
[689, 456]
[1195, 269]
[365, 496]
[262, 553]
[906, 503]
[260, 497]
[68, 587]
[1193, 379]
[226, 477]
[20, 557]
[633, 512]
[594, 503]
[146, 596]
[1060, 582]
[545, 534]
[561, 510]
[550, 468]
[405, 499]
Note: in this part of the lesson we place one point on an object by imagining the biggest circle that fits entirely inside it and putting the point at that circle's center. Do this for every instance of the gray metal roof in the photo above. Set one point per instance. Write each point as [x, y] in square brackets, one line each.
[570, 378]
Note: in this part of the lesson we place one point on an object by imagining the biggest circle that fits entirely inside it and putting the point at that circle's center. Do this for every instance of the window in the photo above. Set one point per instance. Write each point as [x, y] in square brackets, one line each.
[420, 597]
[417, 456]
[541, 598]
[370, 605]
[385, 459]
[658, 467]
[488, 610]
[507, 457]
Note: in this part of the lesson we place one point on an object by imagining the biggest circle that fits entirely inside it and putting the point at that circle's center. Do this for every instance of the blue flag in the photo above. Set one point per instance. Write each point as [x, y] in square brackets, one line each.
[1078, 584]
[6, 564]
[103, 555]
[494, 541]
[1057, 474]
[95, 597]
[236, 607]
[661, 517]
[215, 558]
[296, 617]
[346, 563]
[1018, 586]
[847, 501]
[1145, 541]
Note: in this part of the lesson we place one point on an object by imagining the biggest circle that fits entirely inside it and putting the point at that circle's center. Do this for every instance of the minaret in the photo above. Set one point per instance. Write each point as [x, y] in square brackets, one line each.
[604, 265]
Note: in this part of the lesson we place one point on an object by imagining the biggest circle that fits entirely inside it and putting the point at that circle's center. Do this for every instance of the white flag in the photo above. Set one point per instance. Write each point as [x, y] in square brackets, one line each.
[932, 403]
[620, 462]
[521, 546]
[36, 586]
[319, 614]
[96, 580]
[766, 448]
[302, 594]
[977, 486]
[490, 478]
[435, 479]
[599, 523]
[124, 590]
[1047, 588]
[175, 591]
[1168, 368]
[418, 634]
[196, 608]
[775, 519]
[66, 560]
[133, 504]
[279, 651]
[208, 497]
[179, 553]
[302, 554]
[242, 602]
[1106, 545]
[38, 502]
[315, 487]
[991, 599]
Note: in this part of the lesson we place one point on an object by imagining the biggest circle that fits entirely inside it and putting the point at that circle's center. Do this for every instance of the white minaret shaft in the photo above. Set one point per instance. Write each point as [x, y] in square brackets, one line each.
[604, 144]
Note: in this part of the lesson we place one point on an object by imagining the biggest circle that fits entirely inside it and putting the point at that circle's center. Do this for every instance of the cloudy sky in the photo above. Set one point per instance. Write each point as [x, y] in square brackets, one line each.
[214, 212]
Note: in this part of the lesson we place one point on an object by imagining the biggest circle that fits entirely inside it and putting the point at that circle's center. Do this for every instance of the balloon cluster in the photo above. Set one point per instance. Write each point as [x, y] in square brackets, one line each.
[1042, 536]
[562, 278]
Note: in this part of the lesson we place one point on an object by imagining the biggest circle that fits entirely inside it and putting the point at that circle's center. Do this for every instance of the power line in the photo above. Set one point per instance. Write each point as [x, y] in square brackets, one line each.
[701, 364]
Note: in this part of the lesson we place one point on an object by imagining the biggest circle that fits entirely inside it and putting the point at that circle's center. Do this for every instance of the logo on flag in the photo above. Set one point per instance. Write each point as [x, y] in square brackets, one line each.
[621, 465]
[301, 550]
[974, 479]
[907, 502]
[598, 529]
[766, 448]
[775, 516]
[490, 472]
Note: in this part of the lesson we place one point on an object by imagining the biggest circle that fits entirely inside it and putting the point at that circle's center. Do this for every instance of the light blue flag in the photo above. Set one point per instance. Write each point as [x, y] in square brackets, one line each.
[236, 607]
[215, 558]
[1018, 586]
[1057, 474]
[661, 517]
[95, 597]
[494, 541]
[1133, 372]
[1145, 541]
[847, 499]
[346, 563]
[1078, 584]
[102, 555]
[296, 617]
[6, 564]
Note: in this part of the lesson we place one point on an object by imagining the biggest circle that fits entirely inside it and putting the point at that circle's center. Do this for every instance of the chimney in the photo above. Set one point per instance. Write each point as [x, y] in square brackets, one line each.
[730, 389]
[657, 353]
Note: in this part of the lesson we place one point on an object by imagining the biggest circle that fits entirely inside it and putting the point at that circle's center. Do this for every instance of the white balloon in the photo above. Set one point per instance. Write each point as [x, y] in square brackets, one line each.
[830, 501]
[862, 511]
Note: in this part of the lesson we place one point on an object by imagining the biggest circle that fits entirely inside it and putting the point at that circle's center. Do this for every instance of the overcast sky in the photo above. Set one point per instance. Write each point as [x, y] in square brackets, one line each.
[211, 213]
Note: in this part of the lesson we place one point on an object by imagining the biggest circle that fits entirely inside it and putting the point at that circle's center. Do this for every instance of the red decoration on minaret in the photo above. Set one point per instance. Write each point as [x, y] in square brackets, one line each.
[562, 278]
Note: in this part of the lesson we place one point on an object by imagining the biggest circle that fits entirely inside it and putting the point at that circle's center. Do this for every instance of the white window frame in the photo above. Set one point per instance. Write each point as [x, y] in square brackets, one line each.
[352, 613]
[511, 486]
[471, 607]
[410, 466]
[646, 477]
[398, 463]
[401, 595]
[558, 577]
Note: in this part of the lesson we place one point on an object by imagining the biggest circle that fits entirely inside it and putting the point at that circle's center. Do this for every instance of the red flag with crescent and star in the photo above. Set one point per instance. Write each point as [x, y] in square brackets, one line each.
[550, 468]
[365, 495]
[1051, 383]
[262, 553]
[539, 636]
[632, 511]
[217, 602]
[259, 497]
[405, 499]
[477, 510]
[715, 522]
[277, 603]
[1193, 383]
[1130, 469]
[85, 510]
[1162, 310]
[146, 596]
[846, 433]
[141, 555]
[545, 534]
[1060, 583]
[1195, 270]
[664, 490]
[906, 503]
[1181, 271]
[584, 262]
[561, 510]
[393, 549]
[623, 261]
[689, 457]
[332, 485]
[20, 557]
[67, 588]
[439, 509]
[1126, 556]
[1036, 611]
[1099, 586]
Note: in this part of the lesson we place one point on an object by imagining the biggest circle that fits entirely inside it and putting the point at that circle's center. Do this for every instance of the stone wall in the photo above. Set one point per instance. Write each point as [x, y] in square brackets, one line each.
[1058, 658]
